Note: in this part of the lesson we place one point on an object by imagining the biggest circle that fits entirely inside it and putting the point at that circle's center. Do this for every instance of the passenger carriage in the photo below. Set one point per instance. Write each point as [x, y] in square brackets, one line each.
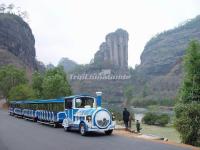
[79, 112]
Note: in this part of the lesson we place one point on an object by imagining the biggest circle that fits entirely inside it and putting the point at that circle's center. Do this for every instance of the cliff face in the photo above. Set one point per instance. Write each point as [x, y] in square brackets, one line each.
[16, 38]
[163, 52]
[112, 59]
[161, 60]
[114, 51]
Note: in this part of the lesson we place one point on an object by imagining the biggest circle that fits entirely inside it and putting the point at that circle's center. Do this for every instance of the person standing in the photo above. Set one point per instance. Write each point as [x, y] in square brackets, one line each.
[126, 116]
[138, 126]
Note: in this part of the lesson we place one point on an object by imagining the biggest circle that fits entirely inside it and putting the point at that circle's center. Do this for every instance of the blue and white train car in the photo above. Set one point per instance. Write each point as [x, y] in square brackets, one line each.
[80, 112]
[86, 114]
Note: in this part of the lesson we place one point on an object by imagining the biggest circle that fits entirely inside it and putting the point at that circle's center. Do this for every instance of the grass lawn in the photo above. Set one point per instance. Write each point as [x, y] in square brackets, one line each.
[166, 132]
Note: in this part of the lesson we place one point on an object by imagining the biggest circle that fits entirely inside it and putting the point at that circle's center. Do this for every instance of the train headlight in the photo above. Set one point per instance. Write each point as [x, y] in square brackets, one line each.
[113, 118]
[89, 118]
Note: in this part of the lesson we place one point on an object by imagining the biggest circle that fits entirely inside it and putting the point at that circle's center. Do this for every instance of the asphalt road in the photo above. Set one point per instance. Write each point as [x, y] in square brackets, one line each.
[19, 134]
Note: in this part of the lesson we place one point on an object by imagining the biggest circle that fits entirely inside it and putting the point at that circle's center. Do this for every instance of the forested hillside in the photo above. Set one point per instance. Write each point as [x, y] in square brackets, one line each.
[161, 60]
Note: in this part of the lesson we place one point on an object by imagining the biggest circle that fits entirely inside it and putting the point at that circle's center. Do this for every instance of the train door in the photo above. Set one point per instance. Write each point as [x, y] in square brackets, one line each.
[69, 108]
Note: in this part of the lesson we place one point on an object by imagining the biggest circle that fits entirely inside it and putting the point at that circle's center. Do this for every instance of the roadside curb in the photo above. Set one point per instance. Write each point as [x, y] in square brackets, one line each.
[135, 135]
[140, 135]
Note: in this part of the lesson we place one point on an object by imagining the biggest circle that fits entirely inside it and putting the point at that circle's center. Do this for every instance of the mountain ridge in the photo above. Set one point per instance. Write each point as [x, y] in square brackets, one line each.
[161, 59]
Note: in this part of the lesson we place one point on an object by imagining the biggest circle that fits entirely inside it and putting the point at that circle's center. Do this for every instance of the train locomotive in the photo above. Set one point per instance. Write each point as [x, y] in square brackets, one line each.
[77, 112]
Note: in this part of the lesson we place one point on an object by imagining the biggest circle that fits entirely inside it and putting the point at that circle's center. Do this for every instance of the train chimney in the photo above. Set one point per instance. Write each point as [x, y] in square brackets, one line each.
[99, 98]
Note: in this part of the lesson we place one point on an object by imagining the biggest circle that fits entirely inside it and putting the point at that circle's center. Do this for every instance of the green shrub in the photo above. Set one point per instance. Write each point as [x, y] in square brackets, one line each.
[162, 120]
[154, 119]
[187, 109]
[188, 123]
[149, 118]
[10, 76]
[21, 92]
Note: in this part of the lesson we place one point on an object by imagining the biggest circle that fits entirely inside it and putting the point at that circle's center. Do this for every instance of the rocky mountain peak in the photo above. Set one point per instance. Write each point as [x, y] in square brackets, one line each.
[16, 37]
[114, 51]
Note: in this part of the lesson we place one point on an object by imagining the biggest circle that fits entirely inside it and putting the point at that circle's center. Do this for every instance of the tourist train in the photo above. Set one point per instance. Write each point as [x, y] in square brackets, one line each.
[79, 112]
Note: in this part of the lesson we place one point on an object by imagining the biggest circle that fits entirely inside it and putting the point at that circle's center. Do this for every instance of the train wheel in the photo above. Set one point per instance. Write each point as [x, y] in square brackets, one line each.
[34, 119]
[55, 125]
[67, 129]
[82, 129]
[109, 132]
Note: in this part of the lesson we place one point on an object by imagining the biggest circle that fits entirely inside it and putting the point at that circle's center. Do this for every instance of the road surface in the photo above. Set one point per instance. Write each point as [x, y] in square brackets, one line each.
[19, 134]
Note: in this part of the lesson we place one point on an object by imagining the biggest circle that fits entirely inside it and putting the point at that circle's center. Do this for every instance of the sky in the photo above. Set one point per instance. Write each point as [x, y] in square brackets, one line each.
[76, 28]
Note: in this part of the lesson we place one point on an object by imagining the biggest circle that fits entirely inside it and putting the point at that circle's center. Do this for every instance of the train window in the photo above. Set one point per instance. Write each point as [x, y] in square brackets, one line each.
[50, 107]
[68, 103]
[82, 102]
[79, 103]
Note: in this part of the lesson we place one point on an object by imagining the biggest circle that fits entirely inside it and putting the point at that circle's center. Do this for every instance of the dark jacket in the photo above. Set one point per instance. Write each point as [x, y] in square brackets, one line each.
[138, 126]
[126, 115]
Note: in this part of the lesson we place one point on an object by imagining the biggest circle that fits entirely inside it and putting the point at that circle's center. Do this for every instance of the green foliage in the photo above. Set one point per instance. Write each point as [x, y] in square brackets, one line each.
[155, 119]
[128, 93]
[188, 123]
[10, 77]
[149, 118]
[21, 92]
[55, 84]
[145, 91]
[143, 103]
[140, 102]
[52, 84]
[190, 90]
[163, 119]
[37, 80]
[187, 109]
[167, 102]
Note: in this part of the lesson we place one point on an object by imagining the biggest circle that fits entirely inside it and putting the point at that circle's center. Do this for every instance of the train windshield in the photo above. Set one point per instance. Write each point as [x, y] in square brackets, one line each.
[85, 102]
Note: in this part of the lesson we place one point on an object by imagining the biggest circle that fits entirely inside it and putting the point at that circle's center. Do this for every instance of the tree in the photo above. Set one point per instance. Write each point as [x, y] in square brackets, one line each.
[21, 92]
[10, 8]
[24, 15]
[187, 109]
[37, 80]
[128, 93]
[145, 91]
[2, 8]
[10, 77]
[18, 10]
[55, 84]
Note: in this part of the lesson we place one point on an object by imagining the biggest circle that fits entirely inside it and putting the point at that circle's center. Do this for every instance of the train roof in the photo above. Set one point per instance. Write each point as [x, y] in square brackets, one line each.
[42, 101]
